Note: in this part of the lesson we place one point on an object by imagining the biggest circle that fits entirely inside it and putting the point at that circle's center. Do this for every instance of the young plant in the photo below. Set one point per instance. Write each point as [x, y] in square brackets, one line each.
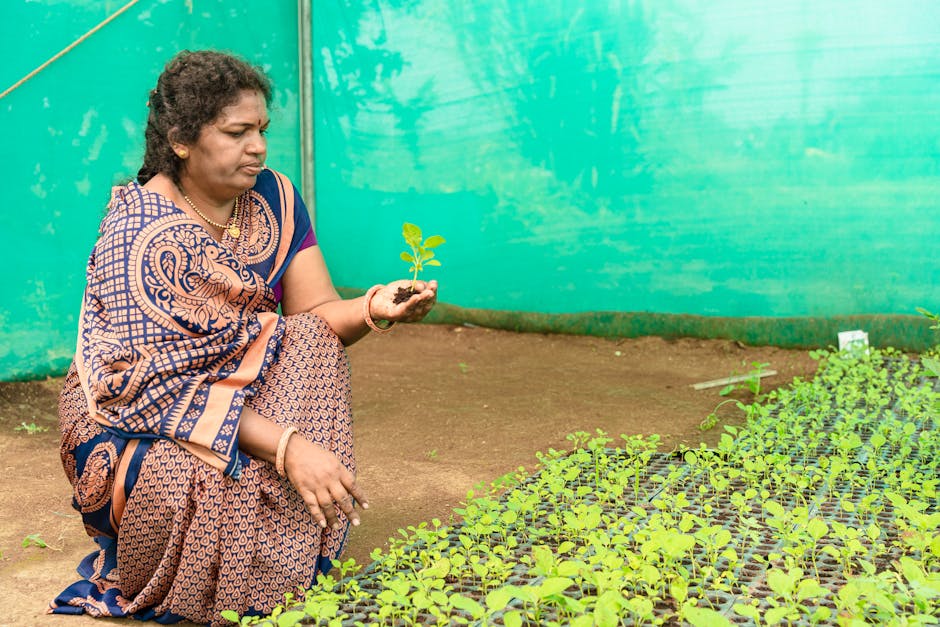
[421, 251]
[31, 428]
[751, 383]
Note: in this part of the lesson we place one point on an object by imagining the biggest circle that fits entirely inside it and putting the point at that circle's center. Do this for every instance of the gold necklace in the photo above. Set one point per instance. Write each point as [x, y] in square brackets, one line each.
[231, 227]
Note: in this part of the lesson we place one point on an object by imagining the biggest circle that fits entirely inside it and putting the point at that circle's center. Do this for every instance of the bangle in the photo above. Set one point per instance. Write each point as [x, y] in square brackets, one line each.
[368, 317]
[281, 449]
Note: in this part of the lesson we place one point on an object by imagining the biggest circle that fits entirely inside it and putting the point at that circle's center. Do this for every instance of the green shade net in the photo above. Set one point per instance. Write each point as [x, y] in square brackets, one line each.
[716, 159]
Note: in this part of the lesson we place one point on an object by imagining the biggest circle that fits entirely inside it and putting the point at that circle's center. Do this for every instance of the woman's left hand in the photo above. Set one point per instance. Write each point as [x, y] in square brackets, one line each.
[413, 309]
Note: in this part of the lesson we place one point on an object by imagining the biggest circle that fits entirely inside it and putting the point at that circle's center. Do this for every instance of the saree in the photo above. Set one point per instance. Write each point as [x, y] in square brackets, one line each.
[178, 333]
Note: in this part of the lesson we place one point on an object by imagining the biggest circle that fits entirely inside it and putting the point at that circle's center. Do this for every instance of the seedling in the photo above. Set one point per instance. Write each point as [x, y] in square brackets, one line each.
[421, 254]
[752, 384]
[33, 539]
[31, 428]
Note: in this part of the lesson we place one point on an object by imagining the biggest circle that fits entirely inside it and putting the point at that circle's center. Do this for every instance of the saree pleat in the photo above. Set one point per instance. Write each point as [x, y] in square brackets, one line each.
[191, 541]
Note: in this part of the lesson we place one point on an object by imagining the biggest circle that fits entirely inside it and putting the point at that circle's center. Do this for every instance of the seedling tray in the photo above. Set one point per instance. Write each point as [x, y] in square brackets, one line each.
[826, 503]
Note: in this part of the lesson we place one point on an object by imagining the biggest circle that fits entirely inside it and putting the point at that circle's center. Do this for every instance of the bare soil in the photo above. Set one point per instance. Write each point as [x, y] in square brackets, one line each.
[438, 409]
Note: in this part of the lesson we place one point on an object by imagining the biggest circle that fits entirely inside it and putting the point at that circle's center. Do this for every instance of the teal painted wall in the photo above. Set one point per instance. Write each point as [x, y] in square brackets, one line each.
[77, 128]
[732, 158]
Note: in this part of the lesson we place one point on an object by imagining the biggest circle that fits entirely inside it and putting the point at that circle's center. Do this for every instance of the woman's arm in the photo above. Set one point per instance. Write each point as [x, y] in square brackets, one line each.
[307, 287]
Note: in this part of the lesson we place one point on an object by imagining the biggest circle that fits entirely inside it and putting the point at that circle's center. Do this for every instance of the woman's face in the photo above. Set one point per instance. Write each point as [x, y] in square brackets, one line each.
[230, 151]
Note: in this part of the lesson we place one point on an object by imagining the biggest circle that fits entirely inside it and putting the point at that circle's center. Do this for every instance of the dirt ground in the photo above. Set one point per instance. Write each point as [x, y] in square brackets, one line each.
[437, 410]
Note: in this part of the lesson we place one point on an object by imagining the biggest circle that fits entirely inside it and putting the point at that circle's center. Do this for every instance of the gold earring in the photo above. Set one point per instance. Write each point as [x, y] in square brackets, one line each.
[183, 153]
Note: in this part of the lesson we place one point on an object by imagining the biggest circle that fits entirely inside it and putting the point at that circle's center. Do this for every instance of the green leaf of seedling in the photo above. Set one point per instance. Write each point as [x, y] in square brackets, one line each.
[774, 508]
[679, 589]
[931, 365]
[728, 389]
[570, 568]
[426, 254]
[565, 546]
[468, 605]
[582, 620]
[704, 617]
[433, 262]
[291, 618]
[780, 582]
[775, 615]
[33, 539]
[820, 616]
[748, 611]
[606, 611]
[500, 598]
[512, 619]
[434, 241]
[407, 257]
[438, 570]
[412, 234]
[230, 615]
[817, 529]
[810, 589]
[553, 586]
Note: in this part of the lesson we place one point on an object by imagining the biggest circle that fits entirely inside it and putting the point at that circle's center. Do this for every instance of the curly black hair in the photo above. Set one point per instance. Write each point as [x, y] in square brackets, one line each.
[191, 92]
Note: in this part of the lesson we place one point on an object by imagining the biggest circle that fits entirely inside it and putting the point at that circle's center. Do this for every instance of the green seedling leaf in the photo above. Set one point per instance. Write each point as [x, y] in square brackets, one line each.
[467, 605]
[810, 589]
[606, 611]
[512, 619]
[704, 617]
[553, 586]
[500, 598]
[412, 234]
[291, 618]
[230, 615]
[817, 529]
[438, 570]
[748, 611]
[775, 615]
[931, 365]
[775, 509]
[33, 539]
[780, 582]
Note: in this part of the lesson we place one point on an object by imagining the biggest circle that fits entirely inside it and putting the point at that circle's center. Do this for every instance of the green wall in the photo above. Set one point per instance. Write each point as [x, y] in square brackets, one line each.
[728, 159]
[77, 128]
[765, 171]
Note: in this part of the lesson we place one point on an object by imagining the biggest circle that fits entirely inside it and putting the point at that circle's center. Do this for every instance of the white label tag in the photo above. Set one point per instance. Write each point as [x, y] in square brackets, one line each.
[853, 341]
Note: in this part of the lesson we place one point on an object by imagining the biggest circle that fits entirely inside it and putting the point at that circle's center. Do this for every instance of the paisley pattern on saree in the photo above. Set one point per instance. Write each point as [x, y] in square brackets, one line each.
[178, 329]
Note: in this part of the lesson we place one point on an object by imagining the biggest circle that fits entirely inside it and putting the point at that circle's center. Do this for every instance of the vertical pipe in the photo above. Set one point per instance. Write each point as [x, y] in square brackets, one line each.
[305, 76]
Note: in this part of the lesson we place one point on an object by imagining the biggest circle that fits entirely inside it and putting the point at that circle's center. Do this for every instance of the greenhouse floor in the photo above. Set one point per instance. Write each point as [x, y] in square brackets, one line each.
[465, 404]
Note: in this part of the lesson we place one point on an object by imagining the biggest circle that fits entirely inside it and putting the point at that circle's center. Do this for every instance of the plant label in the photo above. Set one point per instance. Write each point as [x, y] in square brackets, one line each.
[853, 341]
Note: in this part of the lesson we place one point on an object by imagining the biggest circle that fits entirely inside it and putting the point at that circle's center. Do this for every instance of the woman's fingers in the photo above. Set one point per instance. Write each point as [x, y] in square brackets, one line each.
[313, 505]
[353, 488]
[330, 510]
[326, 486]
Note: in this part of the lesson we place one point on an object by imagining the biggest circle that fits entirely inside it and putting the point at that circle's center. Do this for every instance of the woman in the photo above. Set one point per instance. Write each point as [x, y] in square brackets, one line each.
[207, 437]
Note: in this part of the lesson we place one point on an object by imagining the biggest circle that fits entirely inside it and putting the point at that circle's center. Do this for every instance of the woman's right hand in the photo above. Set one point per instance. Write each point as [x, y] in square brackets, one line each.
[325, 485]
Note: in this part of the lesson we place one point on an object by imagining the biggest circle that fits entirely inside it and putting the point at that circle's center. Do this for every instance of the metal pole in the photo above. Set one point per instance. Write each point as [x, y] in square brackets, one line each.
[305, 71]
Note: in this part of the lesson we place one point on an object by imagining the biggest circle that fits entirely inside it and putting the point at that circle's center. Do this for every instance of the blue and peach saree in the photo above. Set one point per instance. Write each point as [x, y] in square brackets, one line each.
[178, 333]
